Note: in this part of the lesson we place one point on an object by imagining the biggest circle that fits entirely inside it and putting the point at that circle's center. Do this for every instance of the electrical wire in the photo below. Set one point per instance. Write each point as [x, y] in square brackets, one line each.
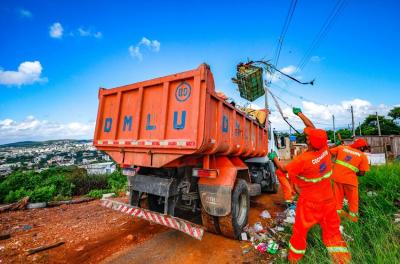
[337, 9]
[280, 110]
[285, 28]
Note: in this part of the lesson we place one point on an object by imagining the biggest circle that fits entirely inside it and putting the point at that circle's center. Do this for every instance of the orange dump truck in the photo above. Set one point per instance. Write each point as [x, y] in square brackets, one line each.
[186, 151]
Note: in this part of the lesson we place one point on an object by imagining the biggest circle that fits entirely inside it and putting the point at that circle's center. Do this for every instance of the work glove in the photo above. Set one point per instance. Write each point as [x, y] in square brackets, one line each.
[272, 155]
[338, 142]
[296, 110]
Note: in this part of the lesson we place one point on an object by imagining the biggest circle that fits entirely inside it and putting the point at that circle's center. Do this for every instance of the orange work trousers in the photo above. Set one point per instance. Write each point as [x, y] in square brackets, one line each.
[287, 188]
[310, 213]
[351, 193]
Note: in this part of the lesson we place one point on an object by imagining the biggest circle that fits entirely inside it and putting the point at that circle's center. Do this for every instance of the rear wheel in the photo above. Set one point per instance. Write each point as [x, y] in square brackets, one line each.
[232, 225]
[210, 222]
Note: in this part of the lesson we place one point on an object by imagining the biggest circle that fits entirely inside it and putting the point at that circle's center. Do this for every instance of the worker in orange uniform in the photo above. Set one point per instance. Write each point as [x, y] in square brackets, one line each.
[310, 172]
[350, 163]
[287, 188]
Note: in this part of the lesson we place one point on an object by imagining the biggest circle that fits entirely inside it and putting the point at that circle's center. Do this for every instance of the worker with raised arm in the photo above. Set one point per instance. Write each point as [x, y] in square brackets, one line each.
[350, 163]
[311, 172]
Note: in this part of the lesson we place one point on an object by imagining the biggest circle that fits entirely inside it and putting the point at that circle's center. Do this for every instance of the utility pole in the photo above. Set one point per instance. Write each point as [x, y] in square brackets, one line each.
[266, 96]
[334, 129]
[352, 121]
[379, 126]
[359, 126]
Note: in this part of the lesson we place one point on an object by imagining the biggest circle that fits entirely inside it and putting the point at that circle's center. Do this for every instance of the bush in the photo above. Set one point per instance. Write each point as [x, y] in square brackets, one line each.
[43, 194]
[117, 182]
[97, 193]
[83, 182]
[58, 183]
[13, 196]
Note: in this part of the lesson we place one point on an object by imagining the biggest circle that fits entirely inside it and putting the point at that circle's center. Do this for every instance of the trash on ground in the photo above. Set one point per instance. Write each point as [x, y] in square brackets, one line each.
[108, 195]
[371, 194]
[272, 247]
[5, 235]
[258, 227]
[36, 205]
[262, 247]
[22, 227]
[21, 204]
[265, 214]
[75, 201]
[246, 249]
[289, 220]
[243, 236]
[42, 248]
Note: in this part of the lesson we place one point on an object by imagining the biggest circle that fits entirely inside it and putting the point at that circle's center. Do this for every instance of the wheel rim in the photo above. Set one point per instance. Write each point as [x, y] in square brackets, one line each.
[242, 209]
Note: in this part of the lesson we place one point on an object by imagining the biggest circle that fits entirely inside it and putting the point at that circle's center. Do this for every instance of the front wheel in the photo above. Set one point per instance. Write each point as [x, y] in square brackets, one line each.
[232, 225]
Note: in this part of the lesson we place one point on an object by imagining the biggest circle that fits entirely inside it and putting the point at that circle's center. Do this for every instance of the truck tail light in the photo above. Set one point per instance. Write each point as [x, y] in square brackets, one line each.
[205, 173]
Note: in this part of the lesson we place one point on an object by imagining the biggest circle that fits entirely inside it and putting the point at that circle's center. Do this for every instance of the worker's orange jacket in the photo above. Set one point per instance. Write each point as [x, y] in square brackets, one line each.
[311, 172]
[349, 161]
[309, 168]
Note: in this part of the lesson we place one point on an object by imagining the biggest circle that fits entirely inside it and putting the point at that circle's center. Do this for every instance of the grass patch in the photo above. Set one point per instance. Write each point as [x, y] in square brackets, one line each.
[376, 238]
[59, 183]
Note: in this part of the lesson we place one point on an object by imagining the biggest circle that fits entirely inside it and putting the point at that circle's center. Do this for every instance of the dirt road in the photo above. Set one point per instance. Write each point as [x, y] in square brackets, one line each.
[94, 234]
[175, 247]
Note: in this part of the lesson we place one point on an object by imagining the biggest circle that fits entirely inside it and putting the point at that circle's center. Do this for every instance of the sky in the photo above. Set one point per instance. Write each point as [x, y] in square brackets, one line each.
[54, 56]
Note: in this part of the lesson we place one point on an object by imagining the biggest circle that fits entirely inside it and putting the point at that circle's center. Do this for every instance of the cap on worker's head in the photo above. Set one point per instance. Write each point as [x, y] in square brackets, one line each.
[359, 143]
[317, 137]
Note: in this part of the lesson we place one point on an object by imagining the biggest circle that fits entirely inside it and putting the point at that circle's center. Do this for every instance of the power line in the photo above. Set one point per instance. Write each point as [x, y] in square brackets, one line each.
[337, 9]
[285, 28]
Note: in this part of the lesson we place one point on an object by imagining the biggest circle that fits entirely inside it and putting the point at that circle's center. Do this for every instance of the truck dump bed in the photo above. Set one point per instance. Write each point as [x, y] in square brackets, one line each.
[161, 121]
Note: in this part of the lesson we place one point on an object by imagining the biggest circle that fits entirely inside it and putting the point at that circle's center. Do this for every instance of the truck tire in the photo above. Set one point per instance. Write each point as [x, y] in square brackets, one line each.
[273, 179]
[232, 225]
[210, 222]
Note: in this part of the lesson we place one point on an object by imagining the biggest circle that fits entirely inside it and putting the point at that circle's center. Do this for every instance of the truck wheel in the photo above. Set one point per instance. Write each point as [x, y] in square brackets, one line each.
[210, 222]
[232, 225]
[273, 179]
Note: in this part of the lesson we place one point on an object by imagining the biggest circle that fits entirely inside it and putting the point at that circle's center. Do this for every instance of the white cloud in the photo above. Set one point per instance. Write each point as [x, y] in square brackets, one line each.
[321, 114]
[276, 76]
[28, 72]
[135, 51]
[32, 128]
[25, 13]
[56, 30]
[89, 33]
[317, 59]
[289, 69]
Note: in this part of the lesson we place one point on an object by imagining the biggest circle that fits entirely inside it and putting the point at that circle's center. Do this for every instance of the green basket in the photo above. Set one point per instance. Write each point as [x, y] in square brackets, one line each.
[250, 82]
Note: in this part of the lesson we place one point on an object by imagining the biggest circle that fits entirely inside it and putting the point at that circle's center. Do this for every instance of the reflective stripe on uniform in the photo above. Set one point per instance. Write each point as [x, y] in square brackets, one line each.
[339, 211]
[297, 251]
[353, 214]
[337, 249]
[314, 180]
[347, 165]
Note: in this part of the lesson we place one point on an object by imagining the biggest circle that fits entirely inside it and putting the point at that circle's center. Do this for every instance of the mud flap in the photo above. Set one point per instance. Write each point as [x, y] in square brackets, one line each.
[216, 200]
[179, 224]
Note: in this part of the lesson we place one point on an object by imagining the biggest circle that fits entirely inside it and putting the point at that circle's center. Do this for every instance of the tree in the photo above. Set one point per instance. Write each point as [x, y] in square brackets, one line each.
[395, 113]
[370, 126]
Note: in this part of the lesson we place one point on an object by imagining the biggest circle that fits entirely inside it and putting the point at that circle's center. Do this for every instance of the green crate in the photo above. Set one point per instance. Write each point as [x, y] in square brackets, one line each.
[250, 82]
